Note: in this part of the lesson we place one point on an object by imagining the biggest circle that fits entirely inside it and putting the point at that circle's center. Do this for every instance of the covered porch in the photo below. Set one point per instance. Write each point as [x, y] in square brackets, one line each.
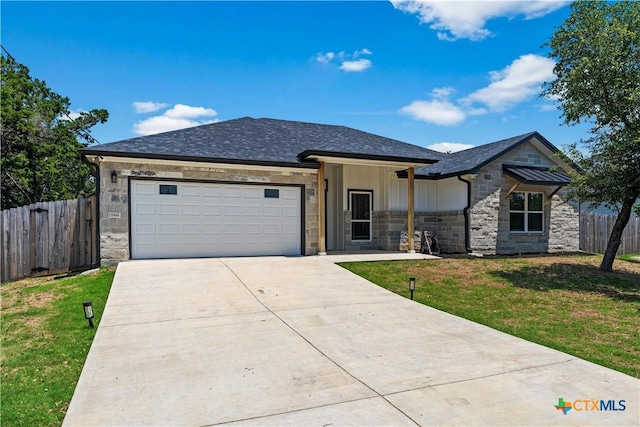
[359, 197]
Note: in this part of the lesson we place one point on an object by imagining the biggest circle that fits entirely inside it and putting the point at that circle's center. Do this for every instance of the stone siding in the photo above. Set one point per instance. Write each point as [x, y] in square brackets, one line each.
[114, 198]
[489, 214]
[447, 227]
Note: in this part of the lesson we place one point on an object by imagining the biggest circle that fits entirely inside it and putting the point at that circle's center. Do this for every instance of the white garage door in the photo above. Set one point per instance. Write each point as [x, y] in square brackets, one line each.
[172, 219]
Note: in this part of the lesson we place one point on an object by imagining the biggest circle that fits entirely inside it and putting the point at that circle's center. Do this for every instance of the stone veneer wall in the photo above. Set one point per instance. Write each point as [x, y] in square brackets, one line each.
[448, 228]
[489, 214]
[114, 198]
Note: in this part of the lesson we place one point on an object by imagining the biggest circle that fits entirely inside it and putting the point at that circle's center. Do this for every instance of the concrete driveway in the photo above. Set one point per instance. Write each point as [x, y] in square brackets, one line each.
[301, 341]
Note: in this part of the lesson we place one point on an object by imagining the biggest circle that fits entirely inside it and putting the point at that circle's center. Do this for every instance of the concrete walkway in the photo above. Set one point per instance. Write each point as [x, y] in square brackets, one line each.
[302, 342]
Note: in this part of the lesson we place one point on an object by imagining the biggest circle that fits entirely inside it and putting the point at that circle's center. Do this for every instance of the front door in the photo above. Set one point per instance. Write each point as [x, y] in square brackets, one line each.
[361, 207]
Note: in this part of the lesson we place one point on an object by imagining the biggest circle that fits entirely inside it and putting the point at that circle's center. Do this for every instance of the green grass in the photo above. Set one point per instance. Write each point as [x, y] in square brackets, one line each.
[45, 341]
[630, 257]
[562, 302]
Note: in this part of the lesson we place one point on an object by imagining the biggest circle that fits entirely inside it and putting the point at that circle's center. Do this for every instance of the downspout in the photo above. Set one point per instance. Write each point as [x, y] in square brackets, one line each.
[95, 167]
[465, 213]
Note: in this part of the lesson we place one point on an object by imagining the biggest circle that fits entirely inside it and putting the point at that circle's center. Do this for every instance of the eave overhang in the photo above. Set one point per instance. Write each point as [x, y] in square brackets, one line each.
[364, 159]
[198, 159]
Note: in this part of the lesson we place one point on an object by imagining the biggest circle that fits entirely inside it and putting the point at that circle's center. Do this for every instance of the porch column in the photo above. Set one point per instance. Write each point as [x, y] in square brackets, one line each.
[410, 209]
[322, 247]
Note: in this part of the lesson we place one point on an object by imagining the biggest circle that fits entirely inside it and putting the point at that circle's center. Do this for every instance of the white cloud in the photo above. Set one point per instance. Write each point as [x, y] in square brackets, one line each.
[348, 62]
[180, 116]
[436, 111]
[181, 111]
[442, 92]
[325, 58]
[455, 20]
[72, 115]
[476, 111]
[356, 66]
[142, 107]
[515, 83]
[364, 51]
[449, 147]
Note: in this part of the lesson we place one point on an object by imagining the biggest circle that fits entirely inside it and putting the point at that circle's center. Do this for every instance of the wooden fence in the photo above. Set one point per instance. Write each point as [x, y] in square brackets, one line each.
[48, 238]
[595, 230]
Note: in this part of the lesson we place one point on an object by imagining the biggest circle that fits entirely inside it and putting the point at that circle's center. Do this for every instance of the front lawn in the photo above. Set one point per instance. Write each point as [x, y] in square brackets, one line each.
[560, 301]
[630, 257]
[45, 341]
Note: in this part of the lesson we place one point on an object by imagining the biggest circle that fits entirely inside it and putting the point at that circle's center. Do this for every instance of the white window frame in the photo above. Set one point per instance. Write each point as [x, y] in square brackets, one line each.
[526, 212]
[370, 194]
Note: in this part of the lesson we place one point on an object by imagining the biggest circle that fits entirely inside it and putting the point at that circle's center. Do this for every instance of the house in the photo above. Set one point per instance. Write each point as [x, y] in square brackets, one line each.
[276, 187]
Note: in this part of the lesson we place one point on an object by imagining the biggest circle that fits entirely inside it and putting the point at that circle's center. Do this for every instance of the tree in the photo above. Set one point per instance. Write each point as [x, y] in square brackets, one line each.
[597, 54]
[40, 159]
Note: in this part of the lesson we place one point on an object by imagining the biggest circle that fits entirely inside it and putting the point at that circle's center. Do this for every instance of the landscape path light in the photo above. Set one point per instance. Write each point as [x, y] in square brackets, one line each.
[412, 285]
[88, 312]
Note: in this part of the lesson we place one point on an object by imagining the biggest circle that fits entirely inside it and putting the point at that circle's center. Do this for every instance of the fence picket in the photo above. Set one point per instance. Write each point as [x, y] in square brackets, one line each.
[47, 237]
[596, 228]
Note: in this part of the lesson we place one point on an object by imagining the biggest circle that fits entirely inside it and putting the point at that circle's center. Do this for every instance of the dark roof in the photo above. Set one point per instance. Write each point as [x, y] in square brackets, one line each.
[264, 141]
[473, 159]
[536, 175]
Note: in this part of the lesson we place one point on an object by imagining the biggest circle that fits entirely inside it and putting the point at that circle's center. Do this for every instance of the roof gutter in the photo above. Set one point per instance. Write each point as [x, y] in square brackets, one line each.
[465, 213]
[95, 167]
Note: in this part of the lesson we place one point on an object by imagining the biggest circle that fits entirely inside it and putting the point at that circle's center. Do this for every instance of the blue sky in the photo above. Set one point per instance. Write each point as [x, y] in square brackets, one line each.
[421, 72]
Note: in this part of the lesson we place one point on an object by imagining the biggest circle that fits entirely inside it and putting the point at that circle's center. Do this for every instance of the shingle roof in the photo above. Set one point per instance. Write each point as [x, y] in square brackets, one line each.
[262, 141]
[472, 159]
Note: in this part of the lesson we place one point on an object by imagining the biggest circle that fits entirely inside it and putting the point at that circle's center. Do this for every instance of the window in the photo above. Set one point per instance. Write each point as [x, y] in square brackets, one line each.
[525, 212]
[361, 207]
[168, 189]
[271, 193]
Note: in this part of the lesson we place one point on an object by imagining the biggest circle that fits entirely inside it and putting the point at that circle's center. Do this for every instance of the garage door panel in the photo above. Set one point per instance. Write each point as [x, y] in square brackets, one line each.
[167, 229]
[250, 210]
[253, 193]
[144, 248]
[190, 229]
[212, 210]
[190, 190]
[290, 194]
[145, 209]
[232, 210]
[211, 191]
[253, 229]
[272, 229]
[290, 212]
[235, 229]
[145, 229]
[290, 229]
[142, 188]
[212, 228]
[274, 247]
[190, 209]
[231, 192]
[272, 211]
[168, 208]
[210, 219]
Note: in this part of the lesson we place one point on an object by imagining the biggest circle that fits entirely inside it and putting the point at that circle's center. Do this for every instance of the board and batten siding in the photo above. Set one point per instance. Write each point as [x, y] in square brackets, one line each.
[444, 195]
[355, 177]
[390, 192]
